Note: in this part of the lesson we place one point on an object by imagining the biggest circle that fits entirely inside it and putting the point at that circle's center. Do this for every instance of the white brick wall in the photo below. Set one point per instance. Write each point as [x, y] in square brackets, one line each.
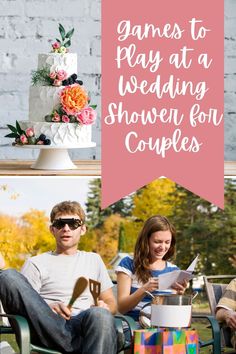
[230, 80]
[27, 28]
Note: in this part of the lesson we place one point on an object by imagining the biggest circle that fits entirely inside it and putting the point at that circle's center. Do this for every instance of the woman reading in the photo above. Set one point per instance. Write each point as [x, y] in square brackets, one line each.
[137, 276]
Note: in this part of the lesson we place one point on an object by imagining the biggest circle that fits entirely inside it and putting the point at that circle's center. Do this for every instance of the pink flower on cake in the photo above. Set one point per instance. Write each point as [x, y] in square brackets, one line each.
[73, 99]
[56, 117]
[57, 82]
[65, 119]
[53, 75]
[23, 139]
[86, 116]
[29, 132]
[61, 75]
[56, 45]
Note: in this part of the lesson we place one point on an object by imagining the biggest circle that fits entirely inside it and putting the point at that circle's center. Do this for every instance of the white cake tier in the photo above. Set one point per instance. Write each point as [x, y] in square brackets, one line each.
[42, 101]
[62, 134]
[56, 61]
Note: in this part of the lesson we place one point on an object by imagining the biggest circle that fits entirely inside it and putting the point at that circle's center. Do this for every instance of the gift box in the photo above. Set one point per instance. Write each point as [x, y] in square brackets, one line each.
[163, 341]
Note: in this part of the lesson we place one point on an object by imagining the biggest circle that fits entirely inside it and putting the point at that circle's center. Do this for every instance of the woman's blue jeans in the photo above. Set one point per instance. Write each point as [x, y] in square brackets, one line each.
[92, 331]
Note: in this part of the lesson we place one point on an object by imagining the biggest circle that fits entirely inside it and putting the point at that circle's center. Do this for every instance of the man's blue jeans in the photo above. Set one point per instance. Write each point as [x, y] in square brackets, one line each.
[92, 331]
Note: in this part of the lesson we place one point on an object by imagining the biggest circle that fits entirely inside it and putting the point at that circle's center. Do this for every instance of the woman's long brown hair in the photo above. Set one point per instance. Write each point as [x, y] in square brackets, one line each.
[142, 253]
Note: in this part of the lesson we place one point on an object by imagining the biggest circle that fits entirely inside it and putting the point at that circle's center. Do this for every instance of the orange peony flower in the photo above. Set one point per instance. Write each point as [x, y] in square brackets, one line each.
[73, 99]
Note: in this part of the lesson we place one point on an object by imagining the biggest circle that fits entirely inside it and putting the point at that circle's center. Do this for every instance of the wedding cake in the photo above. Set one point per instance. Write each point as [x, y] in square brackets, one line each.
[60, 113]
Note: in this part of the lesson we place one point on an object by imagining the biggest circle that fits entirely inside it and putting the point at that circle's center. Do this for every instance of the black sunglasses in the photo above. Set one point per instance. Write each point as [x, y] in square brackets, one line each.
[72, 223]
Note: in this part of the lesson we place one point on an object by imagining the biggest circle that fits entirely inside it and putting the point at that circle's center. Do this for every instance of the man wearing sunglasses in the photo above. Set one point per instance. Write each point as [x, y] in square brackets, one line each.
[42, 291]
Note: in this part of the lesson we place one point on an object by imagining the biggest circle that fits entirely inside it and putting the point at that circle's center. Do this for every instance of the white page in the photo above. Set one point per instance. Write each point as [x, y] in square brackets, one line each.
[166, 280]
[192, 266]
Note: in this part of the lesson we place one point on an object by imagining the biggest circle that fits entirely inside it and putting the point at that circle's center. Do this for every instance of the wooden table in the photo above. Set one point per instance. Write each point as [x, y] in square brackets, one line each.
[230, 168]
[22, 168]
[85, 168]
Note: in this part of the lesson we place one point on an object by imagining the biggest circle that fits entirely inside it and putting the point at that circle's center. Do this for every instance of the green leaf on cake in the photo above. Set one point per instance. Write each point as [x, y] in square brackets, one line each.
[59, 109]
[65, 37]
[41, 77]
[13, 129]
[93, 106]
[62, 31]
[12, 135]
[18, 127]
[72, 119]
[67, 44]
[69, 34]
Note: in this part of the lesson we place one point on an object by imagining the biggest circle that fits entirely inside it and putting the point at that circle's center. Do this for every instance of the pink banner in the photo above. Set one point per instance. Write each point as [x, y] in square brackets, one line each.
[162, 96]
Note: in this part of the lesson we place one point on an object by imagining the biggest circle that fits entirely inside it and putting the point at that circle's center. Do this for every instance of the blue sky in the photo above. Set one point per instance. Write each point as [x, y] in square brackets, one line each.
[42, 193]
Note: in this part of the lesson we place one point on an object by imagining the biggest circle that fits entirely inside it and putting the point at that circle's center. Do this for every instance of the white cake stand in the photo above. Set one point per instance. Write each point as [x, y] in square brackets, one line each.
[54, 157]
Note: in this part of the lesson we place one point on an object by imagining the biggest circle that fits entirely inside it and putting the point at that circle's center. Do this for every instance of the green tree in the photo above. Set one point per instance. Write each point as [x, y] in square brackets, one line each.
[227, 229]
[93, 205]
[121, 241]
[203, 228]
[95, 215]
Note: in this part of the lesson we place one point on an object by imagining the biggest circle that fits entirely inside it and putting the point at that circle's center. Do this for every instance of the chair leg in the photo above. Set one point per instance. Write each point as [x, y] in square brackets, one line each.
[215, 342]
[22, 331]
[126, 351]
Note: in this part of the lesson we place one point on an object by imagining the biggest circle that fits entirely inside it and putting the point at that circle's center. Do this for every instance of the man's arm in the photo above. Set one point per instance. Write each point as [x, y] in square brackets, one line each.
[226, 308]
[227, 316]
[107, 298]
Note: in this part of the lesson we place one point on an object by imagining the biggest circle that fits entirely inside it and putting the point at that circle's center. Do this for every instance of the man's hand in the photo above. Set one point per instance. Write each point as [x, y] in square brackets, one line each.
[230, 319]
[107, 300]
[61, 309]
[102, 304]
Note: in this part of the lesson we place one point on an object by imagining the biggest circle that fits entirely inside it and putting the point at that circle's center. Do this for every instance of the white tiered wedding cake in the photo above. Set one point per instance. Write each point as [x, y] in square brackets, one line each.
[60, 113]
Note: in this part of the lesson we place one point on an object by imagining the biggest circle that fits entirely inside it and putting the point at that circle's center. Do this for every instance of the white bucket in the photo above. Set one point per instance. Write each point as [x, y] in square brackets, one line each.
[171, 315]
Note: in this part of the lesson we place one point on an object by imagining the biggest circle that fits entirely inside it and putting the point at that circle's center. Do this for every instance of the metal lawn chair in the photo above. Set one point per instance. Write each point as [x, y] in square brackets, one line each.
[20, 329]
[215, 286]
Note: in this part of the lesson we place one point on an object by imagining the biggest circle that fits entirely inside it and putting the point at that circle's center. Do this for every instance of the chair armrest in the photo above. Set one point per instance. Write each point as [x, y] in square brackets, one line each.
[130, 324]
[129, 321]
[216, 340]
[23, 332]
[37, 349]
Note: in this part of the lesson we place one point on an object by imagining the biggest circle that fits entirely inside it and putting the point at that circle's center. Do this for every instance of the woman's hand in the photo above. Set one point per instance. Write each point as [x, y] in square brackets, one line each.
[151, 285]
[61, 309]
[180, 287]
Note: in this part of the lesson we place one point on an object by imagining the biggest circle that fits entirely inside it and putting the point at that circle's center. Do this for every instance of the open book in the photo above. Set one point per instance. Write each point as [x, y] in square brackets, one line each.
[166, 280]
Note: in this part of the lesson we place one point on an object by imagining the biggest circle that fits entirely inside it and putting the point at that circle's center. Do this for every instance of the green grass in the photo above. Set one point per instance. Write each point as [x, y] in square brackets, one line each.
[204, 334]
[201, 327]
[10, 338]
